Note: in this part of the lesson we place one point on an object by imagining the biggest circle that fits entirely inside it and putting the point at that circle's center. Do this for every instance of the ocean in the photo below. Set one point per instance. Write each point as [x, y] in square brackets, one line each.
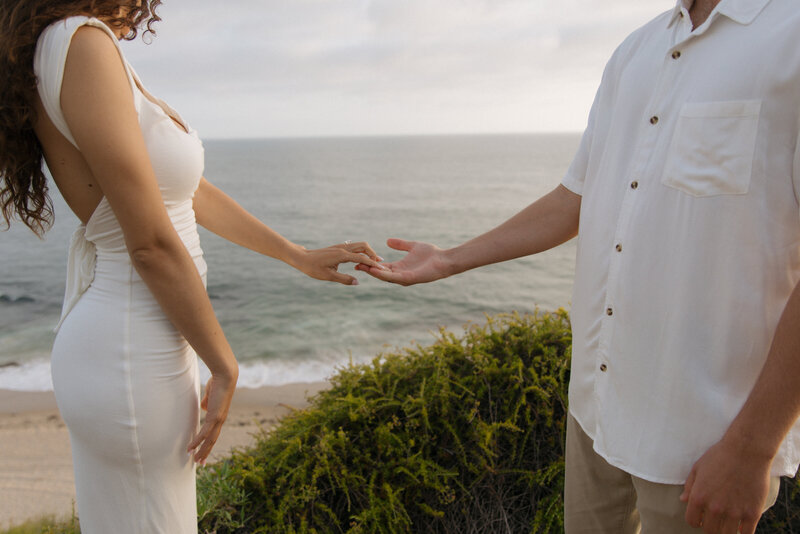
[285, 327]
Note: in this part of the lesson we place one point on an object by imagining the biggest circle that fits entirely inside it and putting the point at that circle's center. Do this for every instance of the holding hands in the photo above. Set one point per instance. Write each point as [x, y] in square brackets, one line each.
[423, 263]
[323, 263]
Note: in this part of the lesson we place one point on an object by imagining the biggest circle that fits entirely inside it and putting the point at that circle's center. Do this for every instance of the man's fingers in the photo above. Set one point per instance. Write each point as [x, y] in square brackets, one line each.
[687, 488]
[384, 274]
[747, 526]
[387, 275]
[399, 244]
[729, 525]
[694, 513]
[712, 523]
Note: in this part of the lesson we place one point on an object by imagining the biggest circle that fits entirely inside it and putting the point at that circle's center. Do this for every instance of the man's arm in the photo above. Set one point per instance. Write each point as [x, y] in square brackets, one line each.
[548, 222]
[730, 482]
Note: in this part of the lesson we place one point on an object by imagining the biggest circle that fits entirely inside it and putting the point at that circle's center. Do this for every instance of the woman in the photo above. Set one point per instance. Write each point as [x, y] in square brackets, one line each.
[136, 311]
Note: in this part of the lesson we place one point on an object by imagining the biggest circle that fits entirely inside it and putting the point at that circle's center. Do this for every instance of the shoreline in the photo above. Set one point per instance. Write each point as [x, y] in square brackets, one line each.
[36, 476]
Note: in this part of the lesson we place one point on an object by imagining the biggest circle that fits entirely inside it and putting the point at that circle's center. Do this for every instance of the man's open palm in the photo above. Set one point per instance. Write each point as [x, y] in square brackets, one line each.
[423, 263]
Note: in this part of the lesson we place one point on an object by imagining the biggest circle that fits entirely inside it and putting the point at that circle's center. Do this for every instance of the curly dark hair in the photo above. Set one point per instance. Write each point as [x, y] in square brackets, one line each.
[23, 185]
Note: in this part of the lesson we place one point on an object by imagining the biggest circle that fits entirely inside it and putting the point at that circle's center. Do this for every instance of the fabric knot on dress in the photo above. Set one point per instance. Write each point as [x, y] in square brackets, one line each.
[80, 270]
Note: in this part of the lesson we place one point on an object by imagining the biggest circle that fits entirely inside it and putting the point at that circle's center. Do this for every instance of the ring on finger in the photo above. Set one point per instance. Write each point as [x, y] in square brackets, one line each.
[348, 242]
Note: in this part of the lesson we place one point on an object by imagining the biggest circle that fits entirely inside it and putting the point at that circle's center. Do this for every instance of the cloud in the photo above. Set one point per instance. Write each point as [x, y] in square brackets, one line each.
[247, 68]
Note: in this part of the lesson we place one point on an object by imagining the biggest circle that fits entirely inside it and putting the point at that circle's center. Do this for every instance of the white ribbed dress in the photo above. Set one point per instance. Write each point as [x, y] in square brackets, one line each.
[125, 379]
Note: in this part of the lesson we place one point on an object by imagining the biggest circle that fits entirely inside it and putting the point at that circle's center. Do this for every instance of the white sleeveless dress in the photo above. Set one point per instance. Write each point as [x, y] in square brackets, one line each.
[126, 381]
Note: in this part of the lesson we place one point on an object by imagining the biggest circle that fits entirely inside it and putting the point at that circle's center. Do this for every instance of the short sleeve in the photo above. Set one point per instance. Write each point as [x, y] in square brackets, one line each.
[50, 59]
[575, 177]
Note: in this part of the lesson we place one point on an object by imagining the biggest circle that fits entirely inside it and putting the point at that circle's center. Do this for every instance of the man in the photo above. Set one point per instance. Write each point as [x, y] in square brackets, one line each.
[686, 312]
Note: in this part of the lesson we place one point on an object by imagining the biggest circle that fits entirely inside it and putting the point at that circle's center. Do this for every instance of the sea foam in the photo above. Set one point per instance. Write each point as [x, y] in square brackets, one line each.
[35, 375]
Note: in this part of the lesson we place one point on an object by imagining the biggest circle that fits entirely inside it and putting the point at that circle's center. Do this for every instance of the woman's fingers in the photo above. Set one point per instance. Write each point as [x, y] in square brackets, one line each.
[199, 440]
[361, 262]
[323, 264]
[217, 397]
[361, 259]
[359, 253]
[200, 447]
[343, 279]
[204, 402]
[360, 247]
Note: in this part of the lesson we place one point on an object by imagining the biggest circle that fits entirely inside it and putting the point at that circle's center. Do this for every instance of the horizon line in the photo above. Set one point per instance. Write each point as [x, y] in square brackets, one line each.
[392, 135]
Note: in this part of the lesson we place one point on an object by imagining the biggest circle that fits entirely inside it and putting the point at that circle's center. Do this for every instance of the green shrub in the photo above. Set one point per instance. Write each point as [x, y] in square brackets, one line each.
[784, 517]
[48, 525]
[463, 436]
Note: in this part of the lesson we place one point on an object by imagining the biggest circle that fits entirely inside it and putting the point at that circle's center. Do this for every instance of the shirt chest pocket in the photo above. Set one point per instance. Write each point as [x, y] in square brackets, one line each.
[712, 149]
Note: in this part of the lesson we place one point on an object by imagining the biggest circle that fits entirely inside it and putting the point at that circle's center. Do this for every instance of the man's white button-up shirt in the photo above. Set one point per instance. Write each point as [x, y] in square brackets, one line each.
[689, 242]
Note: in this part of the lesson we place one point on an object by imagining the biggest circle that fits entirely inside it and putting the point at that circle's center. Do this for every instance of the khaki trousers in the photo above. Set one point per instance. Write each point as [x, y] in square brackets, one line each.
[602, 499]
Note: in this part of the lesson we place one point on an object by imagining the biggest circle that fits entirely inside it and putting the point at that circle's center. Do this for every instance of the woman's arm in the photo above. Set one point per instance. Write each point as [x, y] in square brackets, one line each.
[98, 106]
[219, 213]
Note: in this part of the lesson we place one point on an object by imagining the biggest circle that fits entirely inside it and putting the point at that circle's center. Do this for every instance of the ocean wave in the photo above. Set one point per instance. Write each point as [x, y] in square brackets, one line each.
[22, 299]
[35, 375]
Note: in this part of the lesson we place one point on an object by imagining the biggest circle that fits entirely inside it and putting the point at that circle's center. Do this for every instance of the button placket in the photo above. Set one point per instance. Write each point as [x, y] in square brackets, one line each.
[644, 150]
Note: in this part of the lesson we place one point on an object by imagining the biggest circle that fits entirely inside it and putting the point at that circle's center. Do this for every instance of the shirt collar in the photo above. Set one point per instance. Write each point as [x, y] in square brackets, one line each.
[741, 11]
[679, 7]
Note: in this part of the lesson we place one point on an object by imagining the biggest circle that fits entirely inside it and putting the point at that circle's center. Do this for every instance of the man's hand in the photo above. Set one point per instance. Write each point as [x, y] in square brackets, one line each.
[727, 489]
[423, 263]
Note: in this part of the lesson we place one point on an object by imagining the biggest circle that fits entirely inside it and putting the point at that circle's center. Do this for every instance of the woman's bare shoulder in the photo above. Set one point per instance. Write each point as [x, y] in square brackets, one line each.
[93, 43]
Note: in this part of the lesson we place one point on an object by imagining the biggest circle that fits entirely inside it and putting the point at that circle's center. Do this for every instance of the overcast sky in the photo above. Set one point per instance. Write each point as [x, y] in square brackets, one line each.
[285, 68]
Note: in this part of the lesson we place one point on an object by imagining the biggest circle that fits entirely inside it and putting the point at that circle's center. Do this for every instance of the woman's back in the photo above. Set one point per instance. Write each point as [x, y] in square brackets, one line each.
[175, 153]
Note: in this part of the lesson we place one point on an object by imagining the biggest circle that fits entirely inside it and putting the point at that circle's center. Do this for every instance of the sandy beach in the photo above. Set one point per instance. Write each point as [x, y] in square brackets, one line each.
[36, 467]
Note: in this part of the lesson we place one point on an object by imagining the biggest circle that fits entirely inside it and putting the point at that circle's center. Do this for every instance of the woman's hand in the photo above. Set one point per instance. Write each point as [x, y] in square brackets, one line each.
[217, 402]
[222, 215]
[323, 263]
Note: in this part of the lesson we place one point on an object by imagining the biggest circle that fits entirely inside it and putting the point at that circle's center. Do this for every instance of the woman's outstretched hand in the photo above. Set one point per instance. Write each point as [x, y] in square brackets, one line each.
[323, 263]
[216, 402]
[423, 263]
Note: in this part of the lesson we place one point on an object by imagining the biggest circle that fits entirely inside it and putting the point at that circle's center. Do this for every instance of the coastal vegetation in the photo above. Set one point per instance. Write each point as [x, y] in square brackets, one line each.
[464, 436]
[47, 525]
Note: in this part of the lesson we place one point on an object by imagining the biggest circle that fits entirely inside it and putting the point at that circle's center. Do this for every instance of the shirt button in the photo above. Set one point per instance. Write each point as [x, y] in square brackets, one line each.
[619, 247]
[609, 312]
[654, 119]
[634, 184]
[603, 367]
[676, 54]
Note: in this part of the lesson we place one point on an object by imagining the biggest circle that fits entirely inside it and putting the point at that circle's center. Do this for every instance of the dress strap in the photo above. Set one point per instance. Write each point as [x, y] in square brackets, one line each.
[80, 270]
[49, 62]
